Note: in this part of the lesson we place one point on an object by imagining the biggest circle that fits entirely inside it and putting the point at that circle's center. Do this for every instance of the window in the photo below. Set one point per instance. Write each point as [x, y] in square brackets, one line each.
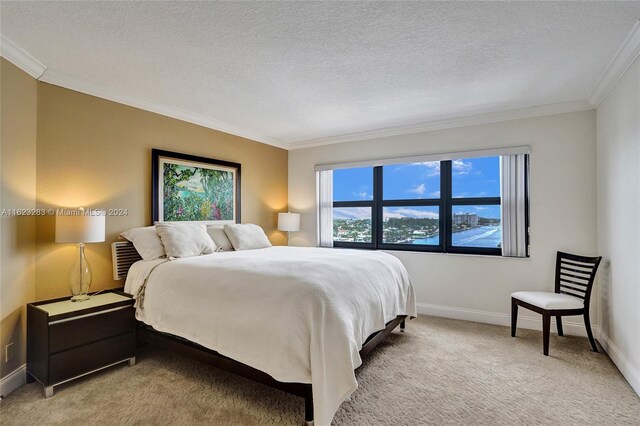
[411, 205]
[451, 206]
[353, 207]
[474, 206]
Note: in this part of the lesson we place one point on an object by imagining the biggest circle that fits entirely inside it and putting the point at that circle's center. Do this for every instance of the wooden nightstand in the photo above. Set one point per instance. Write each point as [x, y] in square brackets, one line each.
[66, 340]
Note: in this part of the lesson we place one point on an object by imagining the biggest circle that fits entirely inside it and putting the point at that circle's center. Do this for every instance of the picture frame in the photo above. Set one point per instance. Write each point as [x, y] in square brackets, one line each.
[190, 188]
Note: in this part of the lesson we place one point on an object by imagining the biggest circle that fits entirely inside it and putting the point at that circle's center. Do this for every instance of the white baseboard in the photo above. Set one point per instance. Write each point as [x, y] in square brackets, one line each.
[13, 380]
[524, 320]
[628, 371]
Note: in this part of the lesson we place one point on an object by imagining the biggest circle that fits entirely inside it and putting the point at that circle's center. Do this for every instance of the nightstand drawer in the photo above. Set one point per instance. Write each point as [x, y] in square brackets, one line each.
[71, 363]
[74, 332]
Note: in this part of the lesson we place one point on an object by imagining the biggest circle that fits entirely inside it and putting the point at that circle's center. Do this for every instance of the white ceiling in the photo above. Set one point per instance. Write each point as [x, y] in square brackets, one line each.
[298, 73]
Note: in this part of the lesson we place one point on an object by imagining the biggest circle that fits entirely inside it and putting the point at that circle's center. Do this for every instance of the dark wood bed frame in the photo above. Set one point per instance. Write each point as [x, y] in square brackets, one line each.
[124, 255]
[147, 334]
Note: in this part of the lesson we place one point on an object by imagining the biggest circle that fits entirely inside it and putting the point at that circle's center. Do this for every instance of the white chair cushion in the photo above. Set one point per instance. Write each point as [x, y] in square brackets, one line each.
[547, 300]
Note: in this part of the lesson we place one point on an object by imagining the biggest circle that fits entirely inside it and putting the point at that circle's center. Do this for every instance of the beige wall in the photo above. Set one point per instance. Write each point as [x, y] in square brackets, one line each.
[563, 211]
[18, 95]
[619, 222]
[97, 154]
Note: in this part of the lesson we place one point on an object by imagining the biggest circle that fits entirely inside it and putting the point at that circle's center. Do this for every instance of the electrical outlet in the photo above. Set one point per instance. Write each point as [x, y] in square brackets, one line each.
[9, 352]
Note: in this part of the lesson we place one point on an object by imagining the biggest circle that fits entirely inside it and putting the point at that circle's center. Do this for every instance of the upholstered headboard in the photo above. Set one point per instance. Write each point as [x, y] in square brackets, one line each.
[124, 255]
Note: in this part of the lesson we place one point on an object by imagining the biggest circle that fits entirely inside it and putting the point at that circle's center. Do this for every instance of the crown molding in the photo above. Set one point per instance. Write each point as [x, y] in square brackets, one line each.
[622, 60]
[62, 80]
[20, 58]
[449, 123]
[625, 56]
[39, 71]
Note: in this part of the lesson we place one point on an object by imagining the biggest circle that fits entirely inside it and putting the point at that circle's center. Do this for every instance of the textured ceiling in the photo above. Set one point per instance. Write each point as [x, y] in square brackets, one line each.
[293, 71]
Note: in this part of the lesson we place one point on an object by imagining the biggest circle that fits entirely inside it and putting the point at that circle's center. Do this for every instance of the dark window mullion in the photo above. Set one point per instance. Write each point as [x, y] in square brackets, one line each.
[445, 207]
[353, 204]
[411, 203]
[526, 201]
[486, 201]
[410, 247]
[475, 250]
[377, 206]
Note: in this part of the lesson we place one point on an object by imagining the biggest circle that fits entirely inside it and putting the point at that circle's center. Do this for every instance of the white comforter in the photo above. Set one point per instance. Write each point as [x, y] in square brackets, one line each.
[298, 314]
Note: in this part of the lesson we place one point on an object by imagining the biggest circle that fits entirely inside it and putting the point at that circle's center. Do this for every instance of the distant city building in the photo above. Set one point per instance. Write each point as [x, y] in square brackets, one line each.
[465, 218]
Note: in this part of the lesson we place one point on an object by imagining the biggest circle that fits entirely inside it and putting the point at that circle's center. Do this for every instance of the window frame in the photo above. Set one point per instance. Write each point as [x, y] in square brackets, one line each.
[445, 203]
[353, 244]
[378, 190]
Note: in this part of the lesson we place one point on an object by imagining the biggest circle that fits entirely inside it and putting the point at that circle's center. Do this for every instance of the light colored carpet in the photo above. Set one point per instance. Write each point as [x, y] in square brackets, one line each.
[441, 372]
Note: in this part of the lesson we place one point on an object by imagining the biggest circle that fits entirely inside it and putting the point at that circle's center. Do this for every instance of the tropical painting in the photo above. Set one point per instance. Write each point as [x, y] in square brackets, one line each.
[193, 191]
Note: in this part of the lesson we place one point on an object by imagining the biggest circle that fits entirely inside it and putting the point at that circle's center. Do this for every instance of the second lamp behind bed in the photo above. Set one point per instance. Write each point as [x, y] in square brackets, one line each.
[288, 222]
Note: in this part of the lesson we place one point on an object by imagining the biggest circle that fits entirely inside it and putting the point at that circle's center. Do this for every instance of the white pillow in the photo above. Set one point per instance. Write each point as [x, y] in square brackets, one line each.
[217, 234]
[246, 237]
[185, 239]
[146, 241]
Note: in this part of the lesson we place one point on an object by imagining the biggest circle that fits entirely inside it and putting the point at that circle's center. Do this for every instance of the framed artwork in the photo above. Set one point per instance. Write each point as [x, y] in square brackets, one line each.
[188, 188]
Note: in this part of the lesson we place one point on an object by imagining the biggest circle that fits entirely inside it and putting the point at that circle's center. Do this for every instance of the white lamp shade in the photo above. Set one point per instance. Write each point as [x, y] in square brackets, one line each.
[289, 222]
[80, 226]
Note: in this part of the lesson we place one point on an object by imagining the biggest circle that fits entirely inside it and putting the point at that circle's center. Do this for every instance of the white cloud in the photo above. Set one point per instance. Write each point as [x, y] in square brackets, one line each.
[418, 189]
[401, 212]
[352, 213]
[434, 194]
[362, 195]
[433, 167]
[461, 168]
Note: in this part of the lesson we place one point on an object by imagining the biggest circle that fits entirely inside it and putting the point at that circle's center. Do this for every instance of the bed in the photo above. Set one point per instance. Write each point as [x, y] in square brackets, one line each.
[298, 319]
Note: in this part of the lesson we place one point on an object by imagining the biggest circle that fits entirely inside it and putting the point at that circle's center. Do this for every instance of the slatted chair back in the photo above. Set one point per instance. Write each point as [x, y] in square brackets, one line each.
[575, 275]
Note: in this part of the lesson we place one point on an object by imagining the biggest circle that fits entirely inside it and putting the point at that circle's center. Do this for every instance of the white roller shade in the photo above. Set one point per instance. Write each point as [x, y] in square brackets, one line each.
[513, 209]
[324, 191]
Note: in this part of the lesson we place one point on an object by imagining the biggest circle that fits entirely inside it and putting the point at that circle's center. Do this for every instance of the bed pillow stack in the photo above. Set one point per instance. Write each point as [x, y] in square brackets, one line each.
[179, 240]
[247, 236]
[185, 239]
[217, 234]
[146, 241]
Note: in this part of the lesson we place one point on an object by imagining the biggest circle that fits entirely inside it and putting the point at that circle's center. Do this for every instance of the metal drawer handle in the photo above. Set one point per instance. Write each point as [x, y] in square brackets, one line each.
[93, 314]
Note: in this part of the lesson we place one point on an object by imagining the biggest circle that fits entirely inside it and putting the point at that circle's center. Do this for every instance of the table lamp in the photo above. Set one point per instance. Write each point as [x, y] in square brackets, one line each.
[288, 222]
[80, 226]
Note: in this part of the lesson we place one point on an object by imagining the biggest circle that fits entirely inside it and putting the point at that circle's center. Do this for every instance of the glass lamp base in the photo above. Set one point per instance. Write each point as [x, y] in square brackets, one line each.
[80, 277]
[80, 298]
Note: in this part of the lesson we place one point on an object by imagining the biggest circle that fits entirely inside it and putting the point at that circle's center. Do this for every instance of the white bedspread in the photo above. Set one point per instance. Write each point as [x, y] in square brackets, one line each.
[298, 314]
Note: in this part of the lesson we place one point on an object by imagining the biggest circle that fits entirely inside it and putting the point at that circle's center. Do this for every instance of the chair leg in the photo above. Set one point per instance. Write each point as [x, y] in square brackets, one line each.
[514, 317]
[559, 324]
[587, 324]
[546, 325]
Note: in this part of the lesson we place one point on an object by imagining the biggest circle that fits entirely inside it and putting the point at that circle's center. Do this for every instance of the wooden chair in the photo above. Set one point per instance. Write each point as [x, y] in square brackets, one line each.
[574, 280]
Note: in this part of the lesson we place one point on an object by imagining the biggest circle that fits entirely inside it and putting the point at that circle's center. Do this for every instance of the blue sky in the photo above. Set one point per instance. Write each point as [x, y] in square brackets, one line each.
[473, 177]
[353, 184]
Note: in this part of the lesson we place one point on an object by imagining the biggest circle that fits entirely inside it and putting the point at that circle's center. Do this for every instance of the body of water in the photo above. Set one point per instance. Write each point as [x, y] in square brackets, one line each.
[482, 236]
